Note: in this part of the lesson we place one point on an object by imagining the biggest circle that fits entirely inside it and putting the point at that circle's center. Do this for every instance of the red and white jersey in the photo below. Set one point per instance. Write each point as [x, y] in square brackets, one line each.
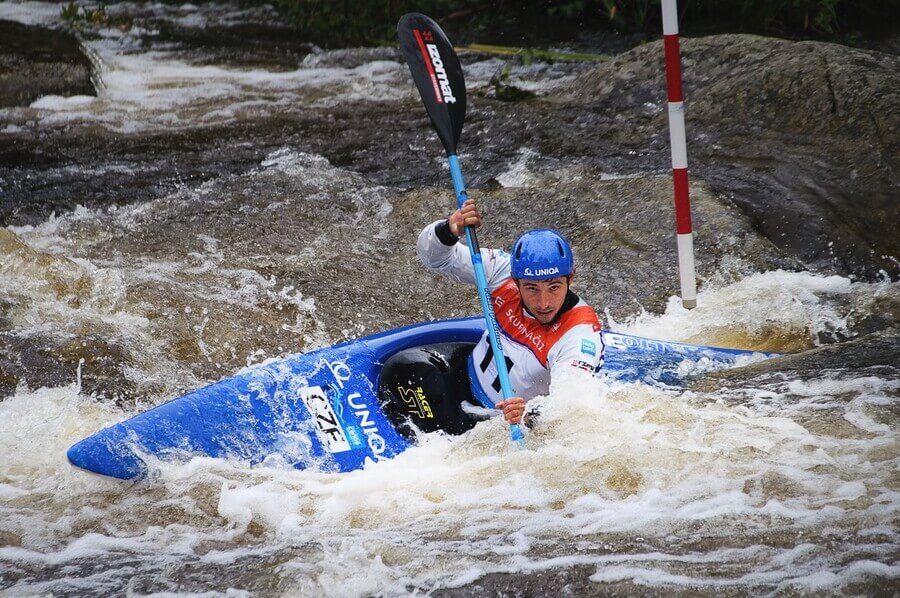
[535, 353]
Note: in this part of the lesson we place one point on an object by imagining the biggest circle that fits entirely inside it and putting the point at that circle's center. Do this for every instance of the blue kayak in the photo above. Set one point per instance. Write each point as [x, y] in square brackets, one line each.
[321, 409]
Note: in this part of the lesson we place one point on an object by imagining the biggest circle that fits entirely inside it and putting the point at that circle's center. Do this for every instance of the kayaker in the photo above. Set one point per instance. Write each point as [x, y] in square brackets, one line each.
[546, 330]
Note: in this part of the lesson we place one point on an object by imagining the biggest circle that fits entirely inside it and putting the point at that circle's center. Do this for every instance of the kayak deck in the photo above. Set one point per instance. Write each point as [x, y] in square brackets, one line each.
[321, 410]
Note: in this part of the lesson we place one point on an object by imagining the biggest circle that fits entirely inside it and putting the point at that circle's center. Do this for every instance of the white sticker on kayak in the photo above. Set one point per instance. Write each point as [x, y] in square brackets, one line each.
[330, 429]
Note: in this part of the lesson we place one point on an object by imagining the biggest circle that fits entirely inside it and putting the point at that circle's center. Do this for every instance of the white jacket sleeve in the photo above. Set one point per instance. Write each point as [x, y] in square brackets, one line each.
[455, 262]
[579, 353]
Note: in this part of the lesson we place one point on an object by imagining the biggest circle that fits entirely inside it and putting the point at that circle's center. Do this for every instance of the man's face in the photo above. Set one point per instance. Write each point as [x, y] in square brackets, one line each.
[544, 298]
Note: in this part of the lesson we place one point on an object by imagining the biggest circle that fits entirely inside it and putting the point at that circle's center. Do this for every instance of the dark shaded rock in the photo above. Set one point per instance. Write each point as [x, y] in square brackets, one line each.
[575, 582]
[35, 62]
[42, 361]
[264, 45]
[48, 358]
[801, 135]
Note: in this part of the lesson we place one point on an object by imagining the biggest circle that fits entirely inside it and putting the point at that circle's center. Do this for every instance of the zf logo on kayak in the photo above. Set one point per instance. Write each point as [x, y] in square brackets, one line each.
[316, 401]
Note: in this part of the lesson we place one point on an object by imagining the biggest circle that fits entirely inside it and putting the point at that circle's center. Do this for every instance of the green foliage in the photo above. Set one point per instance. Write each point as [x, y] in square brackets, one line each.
[333, 23]
[630, 15]
[69, 12]
[504, 91]
[571, 9]
[78, 17]
[529, 55]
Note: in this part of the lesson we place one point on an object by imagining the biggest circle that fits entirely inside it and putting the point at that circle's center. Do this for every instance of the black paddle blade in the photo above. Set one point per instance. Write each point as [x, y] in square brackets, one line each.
[437, 73]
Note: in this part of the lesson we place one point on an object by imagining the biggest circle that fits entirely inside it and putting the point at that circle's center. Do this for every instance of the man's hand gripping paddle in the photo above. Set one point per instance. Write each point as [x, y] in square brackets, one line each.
[439, 78]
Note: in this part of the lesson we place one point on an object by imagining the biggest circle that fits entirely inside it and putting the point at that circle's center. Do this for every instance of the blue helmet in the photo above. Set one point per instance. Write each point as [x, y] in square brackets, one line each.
[541, 254]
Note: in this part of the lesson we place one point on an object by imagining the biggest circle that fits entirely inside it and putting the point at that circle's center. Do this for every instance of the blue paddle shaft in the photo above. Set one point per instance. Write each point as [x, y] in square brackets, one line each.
[459, 187]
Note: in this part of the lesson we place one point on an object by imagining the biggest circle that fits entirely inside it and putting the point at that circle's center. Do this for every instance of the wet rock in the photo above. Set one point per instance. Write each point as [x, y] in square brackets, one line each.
[876, 353]
[574, 581]
[10, 539]
[800, 134]
[622, 232]
[39, 360]
[571, 582]
[36, 62]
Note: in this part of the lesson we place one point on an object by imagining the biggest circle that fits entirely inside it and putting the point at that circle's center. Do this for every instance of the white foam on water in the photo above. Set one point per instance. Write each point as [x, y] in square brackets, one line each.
[653, 487]
[39, 426]
[792, 304]
[157, 89]
[622, 466]
[608, 464]
[53, 102]
[31, 13]
[537, 77]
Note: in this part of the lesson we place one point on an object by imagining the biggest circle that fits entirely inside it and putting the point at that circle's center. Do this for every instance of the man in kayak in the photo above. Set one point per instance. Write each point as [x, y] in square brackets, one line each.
[546, 331]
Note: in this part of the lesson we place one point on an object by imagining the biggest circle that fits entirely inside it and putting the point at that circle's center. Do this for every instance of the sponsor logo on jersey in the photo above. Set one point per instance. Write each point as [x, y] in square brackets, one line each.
[588, 347]
[521, 331]
[583, 365]
[542, 272]
[539, 339]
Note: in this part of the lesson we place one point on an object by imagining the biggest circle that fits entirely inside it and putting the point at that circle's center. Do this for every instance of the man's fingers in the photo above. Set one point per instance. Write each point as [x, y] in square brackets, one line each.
[513, 409]
[512, 417]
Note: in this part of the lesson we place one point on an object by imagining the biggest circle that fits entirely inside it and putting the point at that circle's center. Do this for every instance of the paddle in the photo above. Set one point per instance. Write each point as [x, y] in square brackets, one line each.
[439, 78]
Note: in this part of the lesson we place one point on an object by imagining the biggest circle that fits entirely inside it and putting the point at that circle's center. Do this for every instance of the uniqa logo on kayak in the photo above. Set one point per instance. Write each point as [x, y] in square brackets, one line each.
[441, 73]
[342, 374]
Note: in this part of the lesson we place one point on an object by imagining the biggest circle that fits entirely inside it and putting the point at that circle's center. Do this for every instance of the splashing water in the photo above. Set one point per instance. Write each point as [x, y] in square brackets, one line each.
[739, 488]
[769, 484]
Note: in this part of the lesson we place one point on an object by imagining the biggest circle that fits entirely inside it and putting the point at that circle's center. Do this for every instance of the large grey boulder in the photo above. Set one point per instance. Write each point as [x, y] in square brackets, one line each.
[801, 135]
[35, 62]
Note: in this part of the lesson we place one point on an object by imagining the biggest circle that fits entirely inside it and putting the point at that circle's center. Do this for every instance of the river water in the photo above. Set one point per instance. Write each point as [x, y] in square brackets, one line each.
[780, 479]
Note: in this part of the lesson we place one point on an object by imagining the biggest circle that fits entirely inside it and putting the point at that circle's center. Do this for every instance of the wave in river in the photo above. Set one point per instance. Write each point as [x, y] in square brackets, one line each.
[780, 484]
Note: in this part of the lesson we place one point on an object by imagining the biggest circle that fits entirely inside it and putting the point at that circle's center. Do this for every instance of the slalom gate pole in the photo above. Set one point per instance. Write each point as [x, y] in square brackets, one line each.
[677, 138]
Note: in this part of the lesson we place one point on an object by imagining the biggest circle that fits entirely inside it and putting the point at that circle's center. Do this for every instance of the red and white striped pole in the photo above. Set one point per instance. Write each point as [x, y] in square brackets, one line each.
[679, 156]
